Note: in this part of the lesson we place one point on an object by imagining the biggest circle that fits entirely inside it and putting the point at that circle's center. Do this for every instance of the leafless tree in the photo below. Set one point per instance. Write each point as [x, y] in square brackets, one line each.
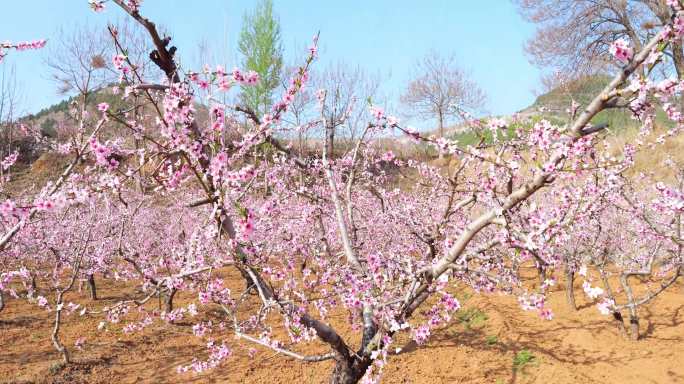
[9, 109]
[80, 58]
[9, 94]
[438, 85]
[573, 36]
[345, 108]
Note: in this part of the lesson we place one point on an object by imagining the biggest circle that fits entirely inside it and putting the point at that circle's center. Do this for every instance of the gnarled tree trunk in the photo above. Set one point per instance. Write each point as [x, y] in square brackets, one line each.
[349, 370]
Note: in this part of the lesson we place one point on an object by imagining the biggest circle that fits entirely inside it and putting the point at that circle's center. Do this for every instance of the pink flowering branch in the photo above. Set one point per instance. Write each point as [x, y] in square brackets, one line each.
[7, 237]
[22, 46]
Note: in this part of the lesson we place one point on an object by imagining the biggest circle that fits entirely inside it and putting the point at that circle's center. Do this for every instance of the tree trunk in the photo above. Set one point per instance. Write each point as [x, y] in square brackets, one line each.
[633, 318]
[55, 331]
[168, 301]
[2, 301]
[542, 277]
[570, 288]
[330, 140]
[92, 287]
[440, 122]
[300, 142]
[440, 127]
[350, 368]
[141, 184]
[617, 315]
[516, 268]
[634, 328]
[34, 287]
[620, 323]
[678, 60]
[349, 371]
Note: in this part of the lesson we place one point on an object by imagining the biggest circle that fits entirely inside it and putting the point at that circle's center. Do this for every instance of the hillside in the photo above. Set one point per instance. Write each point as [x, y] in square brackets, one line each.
[556, 102]
[581, 90]
[58, 122]
[551, 105]
[554, 106]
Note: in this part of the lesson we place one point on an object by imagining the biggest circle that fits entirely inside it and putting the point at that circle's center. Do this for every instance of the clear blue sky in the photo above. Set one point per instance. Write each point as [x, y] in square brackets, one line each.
[383, 36]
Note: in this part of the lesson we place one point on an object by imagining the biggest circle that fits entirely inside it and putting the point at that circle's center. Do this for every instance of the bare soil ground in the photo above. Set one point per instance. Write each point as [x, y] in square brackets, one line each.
[480, 345]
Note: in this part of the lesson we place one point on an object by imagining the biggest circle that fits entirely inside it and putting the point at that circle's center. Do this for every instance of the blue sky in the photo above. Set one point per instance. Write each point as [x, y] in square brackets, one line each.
[384, 37]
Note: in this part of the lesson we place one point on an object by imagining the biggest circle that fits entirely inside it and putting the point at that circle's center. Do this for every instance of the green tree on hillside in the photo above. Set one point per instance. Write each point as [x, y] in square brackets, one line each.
[261, 48]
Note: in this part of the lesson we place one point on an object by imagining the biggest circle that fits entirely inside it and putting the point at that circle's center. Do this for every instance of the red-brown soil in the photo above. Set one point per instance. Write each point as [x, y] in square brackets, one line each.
[575, 347]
